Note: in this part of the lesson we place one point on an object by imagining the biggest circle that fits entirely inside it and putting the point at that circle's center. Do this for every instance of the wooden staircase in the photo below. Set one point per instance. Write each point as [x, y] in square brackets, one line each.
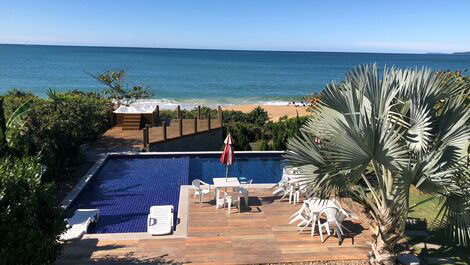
[131, 122]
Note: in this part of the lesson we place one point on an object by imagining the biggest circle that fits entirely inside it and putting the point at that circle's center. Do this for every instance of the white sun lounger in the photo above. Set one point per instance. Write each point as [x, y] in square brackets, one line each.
[160, 220]
[78, 224]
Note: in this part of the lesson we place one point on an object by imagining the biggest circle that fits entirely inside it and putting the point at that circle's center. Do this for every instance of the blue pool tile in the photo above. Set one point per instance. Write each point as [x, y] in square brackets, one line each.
[125, 188]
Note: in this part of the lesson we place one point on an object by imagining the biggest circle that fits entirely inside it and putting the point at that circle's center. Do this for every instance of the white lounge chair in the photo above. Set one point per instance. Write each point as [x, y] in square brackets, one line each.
[78, 224]
[199, 190]
[160, 220]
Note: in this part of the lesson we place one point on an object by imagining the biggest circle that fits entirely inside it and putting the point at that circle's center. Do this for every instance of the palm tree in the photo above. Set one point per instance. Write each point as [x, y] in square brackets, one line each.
[381, 133]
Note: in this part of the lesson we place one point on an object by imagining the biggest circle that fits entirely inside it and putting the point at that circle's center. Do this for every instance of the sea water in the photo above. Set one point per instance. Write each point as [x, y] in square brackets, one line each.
[189, 77]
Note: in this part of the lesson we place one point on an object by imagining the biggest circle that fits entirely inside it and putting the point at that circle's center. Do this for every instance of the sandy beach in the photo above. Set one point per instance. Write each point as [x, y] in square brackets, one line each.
[275, 112]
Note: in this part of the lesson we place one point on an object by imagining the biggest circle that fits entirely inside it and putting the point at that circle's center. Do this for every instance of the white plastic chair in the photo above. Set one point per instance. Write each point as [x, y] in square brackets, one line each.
[243, 191]
[199, 190]
[230, 199]
[306, 218]
[331, 214]
[246, 181]
[290, 170]
[282, 187]
[294, 192]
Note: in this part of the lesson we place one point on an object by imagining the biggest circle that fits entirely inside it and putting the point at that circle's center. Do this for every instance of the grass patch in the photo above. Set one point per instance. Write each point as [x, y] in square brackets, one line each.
[426, 207]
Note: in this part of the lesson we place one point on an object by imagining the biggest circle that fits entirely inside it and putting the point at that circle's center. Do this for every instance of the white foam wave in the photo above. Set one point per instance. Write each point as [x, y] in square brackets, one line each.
[211, 103]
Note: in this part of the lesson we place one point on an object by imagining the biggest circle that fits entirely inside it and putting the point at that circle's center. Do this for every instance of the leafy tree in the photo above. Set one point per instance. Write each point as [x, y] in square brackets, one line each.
[30, 217]
[386, 126]
[117, 90]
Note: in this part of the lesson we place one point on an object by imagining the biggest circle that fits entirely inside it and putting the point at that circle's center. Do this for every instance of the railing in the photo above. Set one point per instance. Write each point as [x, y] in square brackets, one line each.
[164, 127]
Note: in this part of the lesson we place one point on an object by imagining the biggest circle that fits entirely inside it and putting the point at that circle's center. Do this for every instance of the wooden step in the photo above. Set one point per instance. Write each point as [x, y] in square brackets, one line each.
[131, 122]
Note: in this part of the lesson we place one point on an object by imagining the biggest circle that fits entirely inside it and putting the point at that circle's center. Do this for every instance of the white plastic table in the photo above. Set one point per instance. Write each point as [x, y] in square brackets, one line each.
[317, 206]
[221, 183]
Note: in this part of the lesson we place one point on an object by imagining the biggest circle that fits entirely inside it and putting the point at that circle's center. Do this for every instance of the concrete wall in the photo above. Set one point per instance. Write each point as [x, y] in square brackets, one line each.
[203, 141]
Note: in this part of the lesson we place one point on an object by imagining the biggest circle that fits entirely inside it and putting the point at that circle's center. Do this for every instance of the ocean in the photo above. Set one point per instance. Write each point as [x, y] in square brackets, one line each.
[191, 77]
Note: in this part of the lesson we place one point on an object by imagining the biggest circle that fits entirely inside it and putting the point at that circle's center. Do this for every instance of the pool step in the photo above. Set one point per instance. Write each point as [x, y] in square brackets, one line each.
[131, 122]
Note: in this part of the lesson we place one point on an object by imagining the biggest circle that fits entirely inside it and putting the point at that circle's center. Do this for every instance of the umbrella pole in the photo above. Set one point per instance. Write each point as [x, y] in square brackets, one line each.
[226, 173]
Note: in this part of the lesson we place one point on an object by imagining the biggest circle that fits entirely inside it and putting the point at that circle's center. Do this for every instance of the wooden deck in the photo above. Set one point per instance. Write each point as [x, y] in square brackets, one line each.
[259, 234]
[118, 140]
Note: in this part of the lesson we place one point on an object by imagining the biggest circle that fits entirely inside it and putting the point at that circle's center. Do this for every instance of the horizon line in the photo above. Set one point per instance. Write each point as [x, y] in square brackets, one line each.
[220, 49]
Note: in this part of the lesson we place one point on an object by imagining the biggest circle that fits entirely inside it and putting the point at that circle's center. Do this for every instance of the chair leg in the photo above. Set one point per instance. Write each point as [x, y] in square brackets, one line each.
[320, 230]
[290, 196]
[229, 205]
[297, 197]
[338, 225]
[305, 226]
[313, 227]
[284, 195]
[200, 199]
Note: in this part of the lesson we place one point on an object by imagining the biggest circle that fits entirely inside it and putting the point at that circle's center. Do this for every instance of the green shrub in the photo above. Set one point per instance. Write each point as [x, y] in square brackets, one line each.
[249, 128]
[15, 98]
[232, 116]
[262, 145]
[58, 126]
[188, 114]
[30, 218]
[258, 116]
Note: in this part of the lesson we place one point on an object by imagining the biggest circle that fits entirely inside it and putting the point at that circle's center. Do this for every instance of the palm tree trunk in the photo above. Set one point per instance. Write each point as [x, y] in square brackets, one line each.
[386, 234]
[382, 251]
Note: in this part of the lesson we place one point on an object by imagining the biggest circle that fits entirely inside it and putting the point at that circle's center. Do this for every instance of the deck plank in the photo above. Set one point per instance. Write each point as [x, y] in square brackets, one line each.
[259, 234]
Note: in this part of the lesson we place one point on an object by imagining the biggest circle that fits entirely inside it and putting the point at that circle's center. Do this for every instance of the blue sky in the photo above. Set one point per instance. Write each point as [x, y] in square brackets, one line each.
[349, 25]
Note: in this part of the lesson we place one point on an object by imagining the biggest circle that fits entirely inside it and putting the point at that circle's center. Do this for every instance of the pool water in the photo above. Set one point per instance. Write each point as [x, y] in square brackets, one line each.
[126, 187]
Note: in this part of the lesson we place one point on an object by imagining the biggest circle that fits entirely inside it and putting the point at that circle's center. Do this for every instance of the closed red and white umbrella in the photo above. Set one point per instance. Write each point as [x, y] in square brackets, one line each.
[227, 155]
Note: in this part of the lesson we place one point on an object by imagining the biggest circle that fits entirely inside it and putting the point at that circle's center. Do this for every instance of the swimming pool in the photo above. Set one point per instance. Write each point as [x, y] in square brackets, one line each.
[125, 187]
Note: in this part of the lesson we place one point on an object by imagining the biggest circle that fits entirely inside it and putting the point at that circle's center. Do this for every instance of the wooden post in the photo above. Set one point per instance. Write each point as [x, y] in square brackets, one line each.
[178, 112]
[157, 113]
[219, 115]
[146, 136]
[164, 130]
[195, 124]
[199, 112]
[180, 121]
[208, 121]
[221, 119]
